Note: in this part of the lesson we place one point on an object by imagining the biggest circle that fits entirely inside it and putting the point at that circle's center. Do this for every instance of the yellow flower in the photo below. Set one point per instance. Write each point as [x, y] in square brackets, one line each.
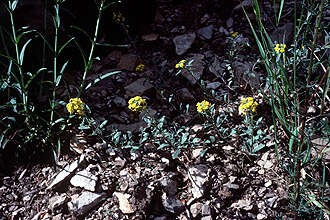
[247, 105]
[137, 104]
[118, 17]
[140, 67]
[180, 64]
[280, 48]
[203, 106]
[76, 106]
[233, 34]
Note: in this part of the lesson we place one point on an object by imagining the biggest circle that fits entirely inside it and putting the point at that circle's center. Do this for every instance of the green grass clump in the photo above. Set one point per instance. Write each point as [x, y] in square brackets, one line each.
[27, 123]
[296, 82]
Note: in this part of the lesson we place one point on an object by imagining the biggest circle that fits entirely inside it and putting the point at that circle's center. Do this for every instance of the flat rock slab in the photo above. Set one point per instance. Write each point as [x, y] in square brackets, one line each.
[183, 42]
[85, 202]
[194, 71]
[138, 87]
[128, 62]
[84, 179]
[124, 204]
[57, 201]
[66, 173]
[199, 176]
[205, 33]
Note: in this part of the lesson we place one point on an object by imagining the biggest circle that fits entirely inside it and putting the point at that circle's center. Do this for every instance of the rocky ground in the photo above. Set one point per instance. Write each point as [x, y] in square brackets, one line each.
[97, 182]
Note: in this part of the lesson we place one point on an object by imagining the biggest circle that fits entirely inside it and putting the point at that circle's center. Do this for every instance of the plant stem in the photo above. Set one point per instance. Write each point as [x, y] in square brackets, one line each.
[57, 25]
[89, 63]
[303, 121]
[19, 64]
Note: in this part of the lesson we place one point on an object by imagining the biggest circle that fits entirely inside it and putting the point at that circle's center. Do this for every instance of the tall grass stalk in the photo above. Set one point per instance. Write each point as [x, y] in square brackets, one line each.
[57, 23]
[306, 104]
[90, 58]
[19, 56]
[289, 104]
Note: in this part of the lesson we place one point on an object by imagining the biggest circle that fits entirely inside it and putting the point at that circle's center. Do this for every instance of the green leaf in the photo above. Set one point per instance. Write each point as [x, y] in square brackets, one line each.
[212, 138]
[58, 121]
[202, 153]
[176, 153]
[218, 121]
[113, 45]
[83, 127]
[46, 41]
[82, 31]
[280, 12]
[259, 147]
[63, 67]
[64, 45]
[100, 78]
[18, 38]
[184, 138]
[103, 123]
[162, 146]
[13, 5]
[21, 56]
[196, 140]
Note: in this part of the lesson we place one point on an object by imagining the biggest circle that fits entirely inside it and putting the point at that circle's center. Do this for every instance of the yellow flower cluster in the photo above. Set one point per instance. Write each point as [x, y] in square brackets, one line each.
[140, 67]
[233, 34]
[280, 48]
[203, 106]
[118, 17]
[137, 104]
[180, 64]
[76, 106]
[247, 105]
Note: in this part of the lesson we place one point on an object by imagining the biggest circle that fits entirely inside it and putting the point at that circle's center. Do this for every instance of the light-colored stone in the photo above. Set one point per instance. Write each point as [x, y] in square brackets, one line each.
[206, 209]
[66, 173]
[268, 164]
[57, 201]
[261, 216]
[85, 180]
[195, 209]
[199, 176]
[172, 204]
[169, 186]
[85, 202]
[268, 183]
[231, 185]
[124, 204]
[197, 127]
[197, 152]
[243, 204]
[183, 42]
[228, 147]
[261, 172]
